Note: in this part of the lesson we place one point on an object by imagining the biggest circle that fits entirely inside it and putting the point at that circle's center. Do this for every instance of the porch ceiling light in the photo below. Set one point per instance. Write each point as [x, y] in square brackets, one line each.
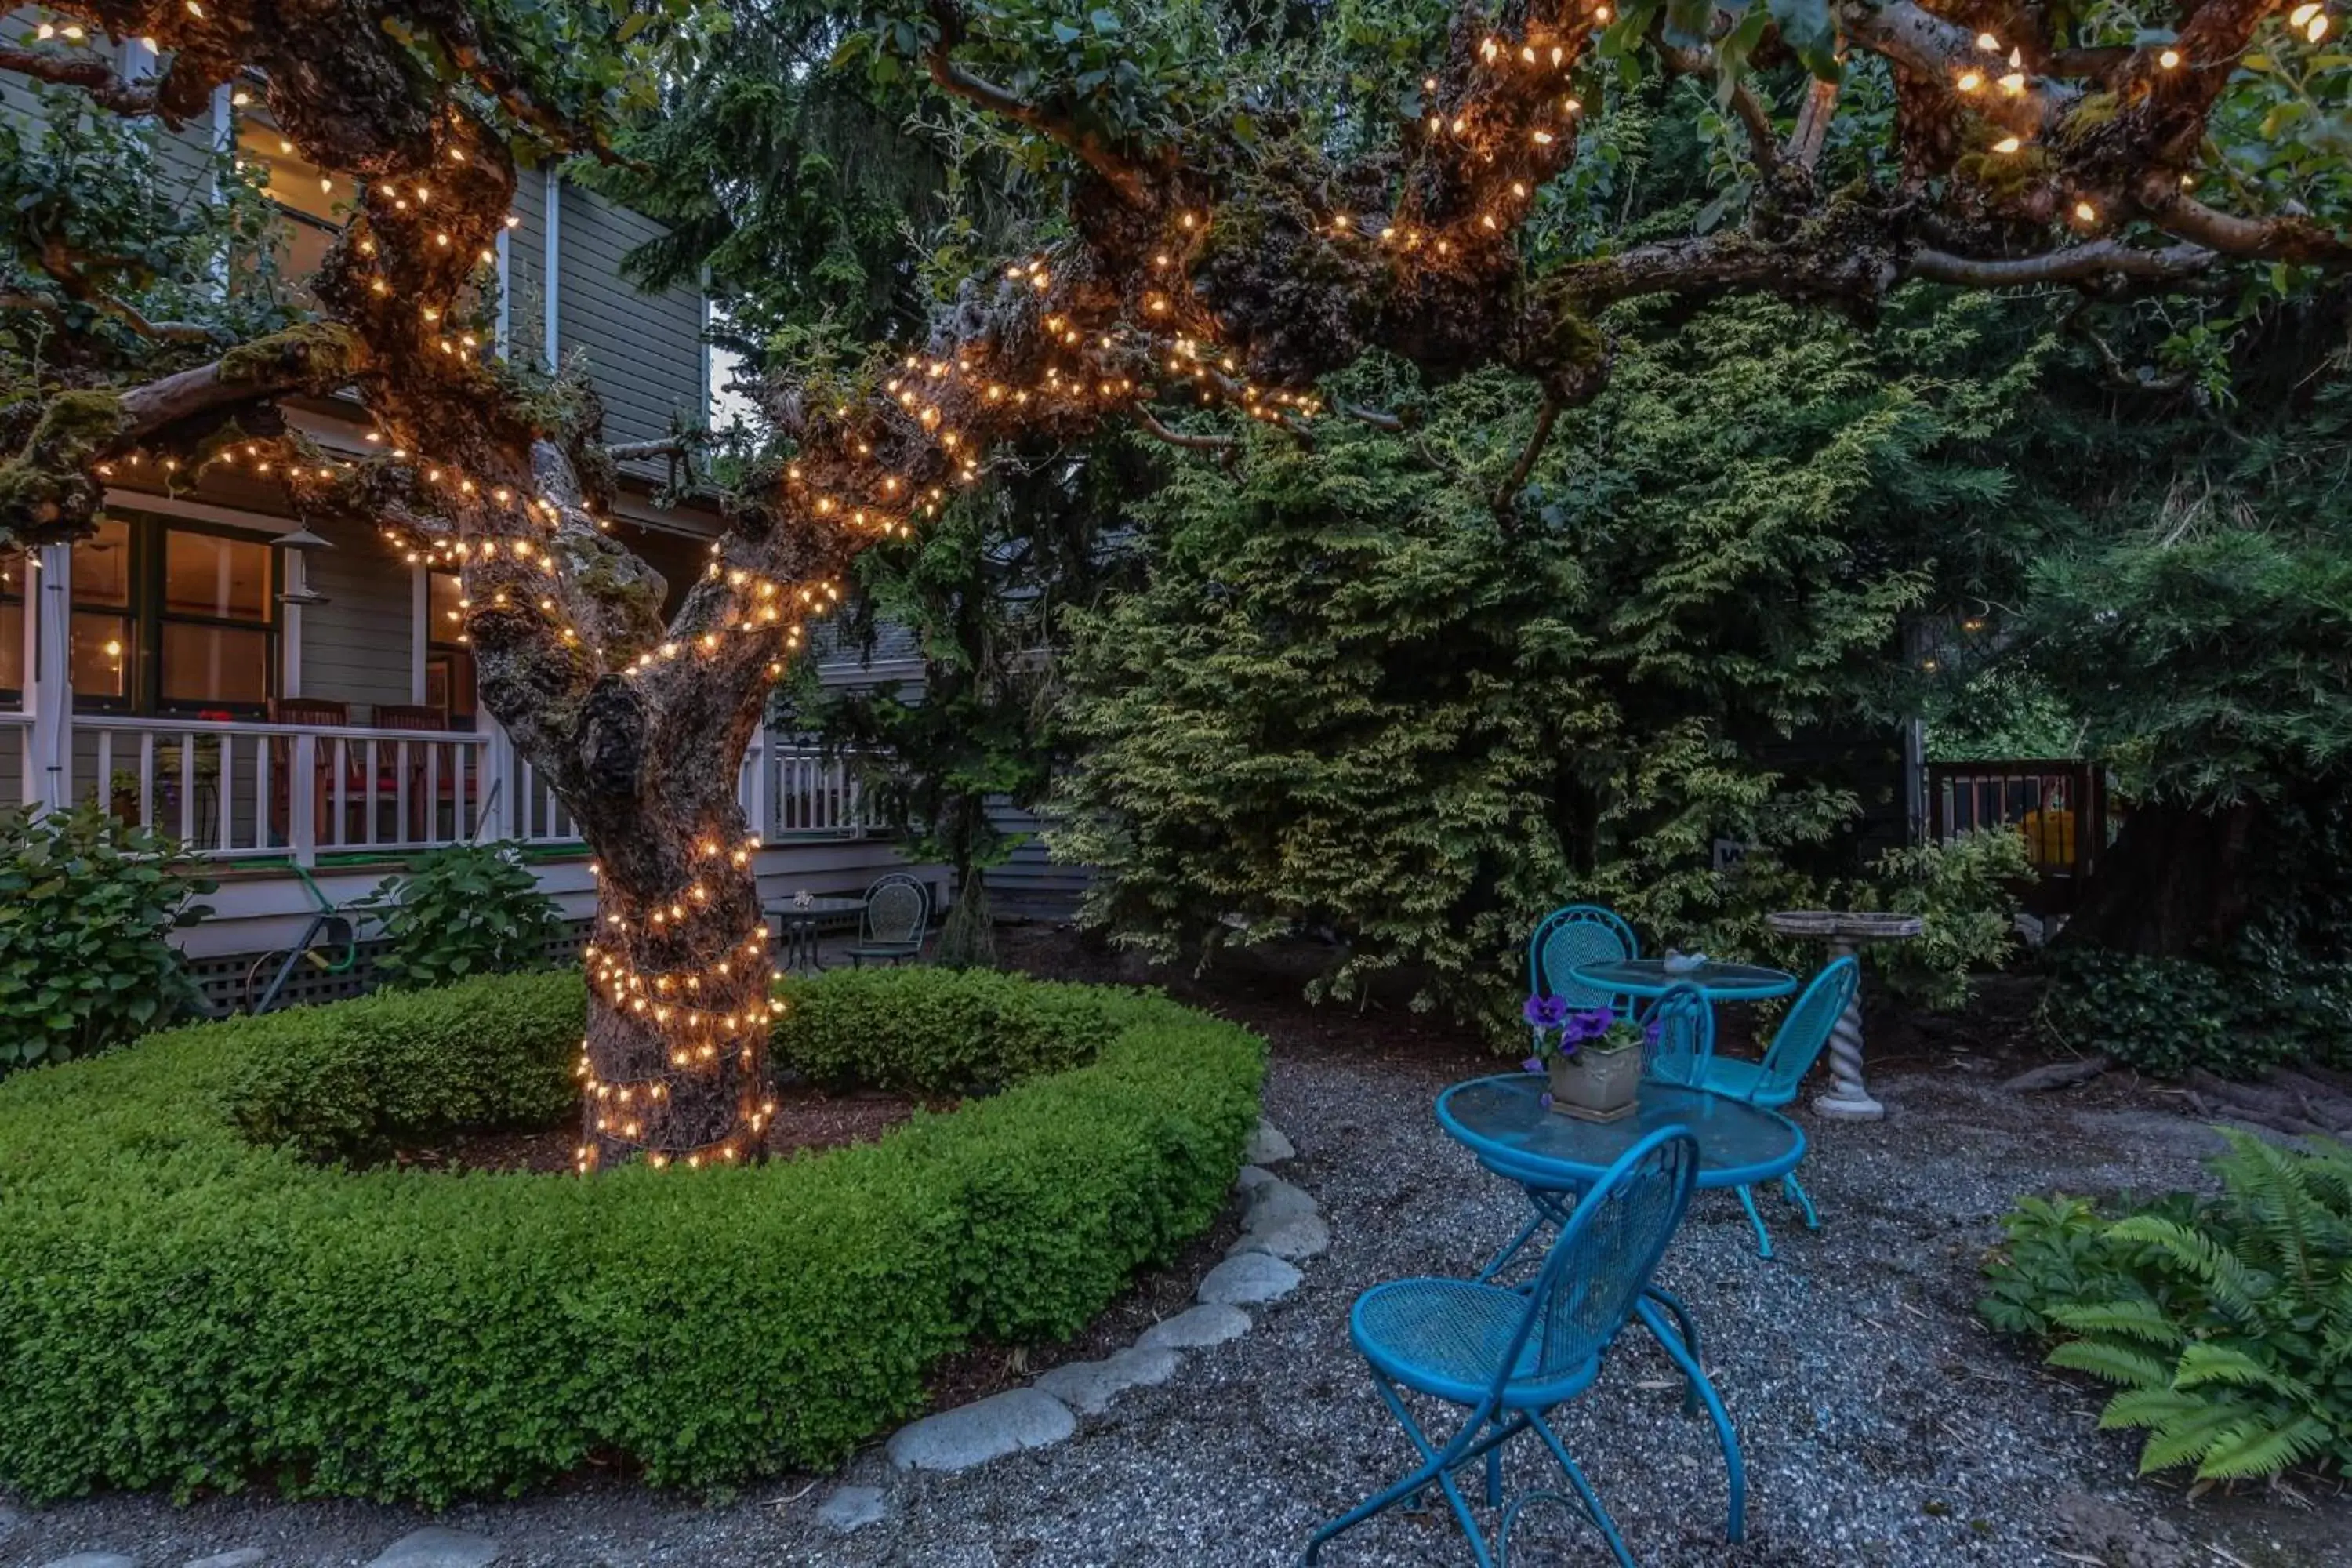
[303, 597]
[304, 539]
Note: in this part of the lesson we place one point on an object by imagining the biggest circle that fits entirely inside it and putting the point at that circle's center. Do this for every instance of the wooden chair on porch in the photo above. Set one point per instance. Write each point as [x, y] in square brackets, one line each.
[430, 788]
[321, 712]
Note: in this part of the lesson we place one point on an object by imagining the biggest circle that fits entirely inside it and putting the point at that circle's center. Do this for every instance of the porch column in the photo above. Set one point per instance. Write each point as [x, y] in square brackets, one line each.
[48, 693]
[420, 630]
[289, 629]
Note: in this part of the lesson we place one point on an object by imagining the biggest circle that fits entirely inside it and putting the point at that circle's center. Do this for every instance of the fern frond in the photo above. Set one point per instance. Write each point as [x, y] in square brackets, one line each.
[2114, 1362]
[2264, 1449]
[2268, 1182]
[2139, 1318]
[2204, 1363]
[2234, 1288]
[2157, 1408]
[2188, 1437]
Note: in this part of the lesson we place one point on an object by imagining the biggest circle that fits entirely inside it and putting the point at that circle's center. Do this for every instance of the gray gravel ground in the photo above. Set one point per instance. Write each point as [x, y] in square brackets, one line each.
[1882, 1424]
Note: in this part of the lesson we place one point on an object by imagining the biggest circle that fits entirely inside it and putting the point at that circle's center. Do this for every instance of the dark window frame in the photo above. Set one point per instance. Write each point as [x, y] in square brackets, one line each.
[148, 616]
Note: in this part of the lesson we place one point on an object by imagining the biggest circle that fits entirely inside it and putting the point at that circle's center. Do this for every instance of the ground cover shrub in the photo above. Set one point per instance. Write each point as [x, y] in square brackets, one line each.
[951, 1032]
[183, 1307]
[1964, 892]
[2235, 1017]
[471, 909]
[2226, 1320]
[346, 1082]
[87, 903]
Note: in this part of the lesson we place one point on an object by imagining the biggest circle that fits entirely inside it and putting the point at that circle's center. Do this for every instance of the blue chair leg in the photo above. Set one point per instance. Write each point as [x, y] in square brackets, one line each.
[1763, 1237]
[1479, 1438]
[1594, 1508]
[1794, 1191]
[1683, 1350]
[1683, 1326]
[1502, 1260]
[1551, 1208]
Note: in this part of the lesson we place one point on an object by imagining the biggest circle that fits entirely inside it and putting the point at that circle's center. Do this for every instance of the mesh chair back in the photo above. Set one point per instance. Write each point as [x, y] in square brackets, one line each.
[896, 910]
[1806, 1029]
[1604, 1258]
[1679, 1028]
[1578, 934]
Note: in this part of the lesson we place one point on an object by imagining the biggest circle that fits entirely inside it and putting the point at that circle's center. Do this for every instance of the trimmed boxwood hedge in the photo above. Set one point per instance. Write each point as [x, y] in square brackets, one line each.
[181, 1306]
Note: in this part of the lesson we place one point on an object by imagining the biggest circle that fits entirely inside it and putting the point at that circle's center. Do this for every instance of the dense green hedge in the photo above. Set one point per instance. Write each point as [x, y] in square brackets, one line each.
[354, 1079]
[959, 1031]
[181, 1306]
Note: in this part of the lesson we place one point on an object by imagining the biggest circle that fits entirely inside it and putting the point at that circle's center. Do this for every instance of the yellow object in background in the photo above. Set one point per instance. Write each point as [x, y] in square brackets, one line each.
[2049, 836]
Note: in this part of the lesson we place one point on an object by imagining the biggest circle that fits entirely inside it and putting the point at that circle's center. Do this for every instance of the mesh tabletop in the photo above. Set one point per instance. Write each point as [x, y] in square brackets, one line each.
[1504, 1118]
[1721, 981]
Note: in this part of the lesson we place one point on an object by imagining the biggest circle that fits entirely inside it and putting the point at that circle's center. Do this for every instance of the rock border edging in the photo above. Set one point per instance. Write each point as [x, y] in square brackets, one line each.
[1282, 1226]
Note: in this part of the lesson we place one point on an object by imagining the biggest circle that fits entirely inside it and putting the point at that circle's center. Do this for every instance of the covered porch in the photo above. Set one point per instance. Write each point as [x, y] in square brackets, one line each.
[279, 693]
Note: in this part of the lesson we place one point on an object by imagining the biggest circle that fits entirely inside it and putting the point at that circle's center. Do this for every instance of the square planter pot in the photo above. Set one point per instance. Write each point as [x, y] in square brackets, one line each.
[1597, 1086]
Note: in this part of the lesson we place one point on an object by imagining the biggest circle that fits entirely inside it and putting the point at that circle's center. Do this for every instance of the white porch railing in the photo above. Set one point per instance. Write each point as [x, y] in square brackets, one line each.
[796, 791]
[247, 790]
[233, 789]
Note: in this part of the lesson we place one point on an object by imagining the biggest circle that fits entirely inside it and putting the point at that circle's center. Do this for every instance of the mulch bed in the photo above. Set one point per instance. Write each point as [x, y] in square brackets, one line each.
[807, 1120]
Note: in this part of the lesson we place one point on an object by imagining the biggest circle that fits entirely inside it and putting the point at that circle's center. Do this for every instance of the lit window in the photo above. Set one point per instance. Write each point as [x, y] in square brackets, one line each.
[316, 202]
[172, 618]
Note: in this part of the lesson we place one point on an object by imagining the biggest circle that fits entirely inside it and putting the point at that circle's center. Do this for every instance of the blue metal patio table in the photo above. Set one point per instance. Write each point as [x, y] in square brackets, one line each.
[1719, 981]
[1505, 1120]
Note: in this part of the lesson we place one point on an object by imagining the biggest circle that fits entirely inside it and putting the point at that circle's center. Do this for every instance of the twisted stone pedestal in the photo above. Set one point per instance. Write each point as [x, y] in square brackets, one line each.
[1845, 930]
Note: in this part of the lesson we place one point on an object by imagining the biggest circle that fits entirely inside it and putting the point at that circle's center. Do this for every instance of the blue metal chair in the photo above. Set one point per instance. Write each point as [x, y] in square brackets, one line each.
[1677, 1052]
[1578, 934]
[1510, 1356]
[1774, 1081]
[1572, 935]
[1680, 1030]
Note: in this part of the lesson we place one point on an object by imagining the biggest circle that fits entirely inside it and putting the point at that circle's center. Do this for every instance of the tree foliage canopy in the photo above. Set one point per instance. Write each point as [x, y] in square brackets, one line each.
[1207, 205]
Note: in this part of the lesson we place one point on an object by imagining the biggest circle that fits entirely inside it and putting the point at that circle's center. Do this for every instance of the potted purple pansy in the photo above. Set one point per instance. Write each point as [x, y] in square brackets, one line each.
[1593, 1057]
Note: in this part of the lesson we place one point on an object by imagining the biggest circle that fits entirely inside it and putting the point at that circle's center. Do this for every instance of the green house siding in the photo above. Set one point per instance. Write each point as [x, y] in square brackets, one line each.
[644, 351]
[358, 648]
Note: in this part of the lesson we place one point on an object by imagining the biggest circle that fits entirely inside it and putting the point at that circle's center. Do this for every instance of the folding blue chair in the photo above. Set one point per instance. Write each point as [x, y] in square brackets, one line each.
[1568, 938]
[1774, 1081]
[1676, 1052]
[1510, 1356]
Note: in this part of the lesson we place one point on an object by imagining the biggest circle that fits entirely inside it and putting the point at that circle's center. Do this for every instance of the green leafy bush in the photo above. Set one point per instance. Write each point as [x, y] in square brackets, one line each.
[2166, 1016]
[955, 1031]
[350, 1079]
[1964, 892]
[467, 909]
[2226, 1320]
[182, 1308]
[85, 906]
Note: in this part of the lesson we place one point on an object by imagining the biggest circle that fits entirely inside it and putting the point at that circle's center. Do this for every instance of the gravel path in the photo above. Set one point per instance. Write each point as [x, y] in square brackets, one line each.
[1882, 1424]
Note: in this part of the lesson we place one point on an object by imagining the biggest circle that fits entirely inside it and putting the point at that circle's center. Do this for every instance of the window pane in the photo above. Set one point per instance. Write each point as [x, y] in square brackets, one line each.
[205, 575]
[12, 646]
[101, 565]
[446, 623]
[101, 653]
[292, 181]
[214, 664]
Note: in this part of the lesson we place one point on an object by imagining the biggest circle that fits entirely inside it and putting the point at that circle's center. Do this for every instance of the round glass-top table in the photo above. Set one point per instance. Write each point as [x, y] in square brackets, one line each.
[1504, 1120]
[1717, 980]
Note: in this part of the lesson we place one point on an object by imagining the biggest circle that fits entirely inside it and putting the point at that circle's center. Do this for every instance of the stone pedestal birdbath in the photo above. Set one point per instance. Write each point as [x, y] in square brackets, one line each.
[1844, 930]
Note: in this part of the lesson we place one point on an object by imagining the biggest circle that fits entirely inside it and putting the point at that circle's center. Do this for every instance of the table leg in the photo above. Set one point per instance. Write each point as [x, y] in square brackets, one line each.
[1847, 1097]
